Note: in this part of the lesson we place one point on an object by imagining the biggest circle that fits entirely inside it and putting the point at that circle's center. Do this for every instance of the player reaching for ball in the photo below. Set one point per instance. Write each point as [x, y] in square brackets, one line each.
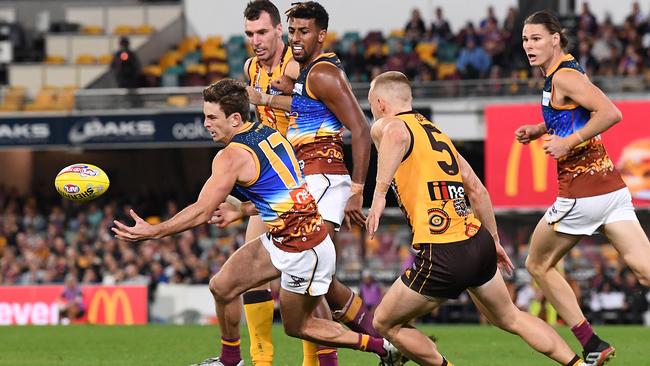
[260, 162]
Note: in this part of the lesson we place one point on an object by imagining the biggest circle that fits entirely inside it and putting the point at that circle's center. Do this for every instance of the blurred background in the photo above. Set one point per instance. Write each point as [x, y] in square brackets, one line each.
[117, 84]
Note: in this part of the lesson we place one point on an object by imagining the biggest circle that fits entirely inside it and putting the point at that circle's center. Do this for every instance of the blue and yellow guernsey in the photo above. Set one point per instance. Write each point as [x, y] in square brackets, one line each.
[587, 170]
[314, 131]
[279, 191]
[259, 79]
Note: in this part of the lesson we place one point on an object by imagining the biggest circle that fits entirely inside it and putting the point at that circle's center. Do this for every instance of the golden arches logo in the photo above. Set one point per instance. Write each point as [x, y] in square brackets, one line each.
[110, 302]
[539, 165]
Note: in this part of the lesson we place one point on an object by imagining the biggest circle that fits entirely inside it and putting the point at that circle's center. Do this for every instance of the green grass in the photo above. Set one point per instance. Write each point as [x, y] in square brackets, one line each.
[182, 345]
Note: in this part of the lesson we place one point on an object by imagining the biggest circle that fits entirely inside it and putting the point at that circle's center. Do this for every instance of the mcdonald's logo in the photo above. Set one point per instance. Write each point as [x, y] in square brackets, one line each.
[539, 166]
[110, 303]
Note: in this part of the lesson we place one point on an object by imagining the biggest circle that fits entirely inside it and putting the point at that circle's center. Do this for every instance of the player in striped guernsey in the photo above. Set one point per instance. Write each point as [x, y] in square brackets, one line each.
[260, 162]
[456, 250]
[592, 196]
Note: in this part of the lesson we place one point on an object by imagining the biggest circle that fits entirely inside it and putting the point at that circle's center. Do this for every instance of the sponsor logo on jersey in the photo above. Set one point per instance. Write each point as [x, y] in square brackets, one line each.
[442, 190]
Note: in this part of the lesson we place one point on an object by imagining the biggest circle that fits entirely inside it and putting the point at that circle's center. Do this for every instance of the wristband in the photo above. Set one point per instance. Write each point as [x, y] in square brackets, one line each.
[579, 136]
[265, 99]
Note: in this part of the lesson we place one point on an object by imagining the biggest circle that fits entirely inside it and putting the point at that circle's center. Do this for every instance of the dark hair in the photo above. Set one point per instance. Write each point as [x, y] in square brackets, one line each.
[231, 95]
[310, 10]
[255, 8]
[552, 24]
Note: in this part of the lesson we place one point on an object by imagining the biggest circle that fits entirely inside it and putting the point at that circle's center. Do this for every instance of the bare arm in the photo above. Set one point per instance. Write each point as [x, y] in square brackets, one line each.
[330, 85]
[225, 170]
[282, 102]
[576, 87]
[479, 198]
[392, 140]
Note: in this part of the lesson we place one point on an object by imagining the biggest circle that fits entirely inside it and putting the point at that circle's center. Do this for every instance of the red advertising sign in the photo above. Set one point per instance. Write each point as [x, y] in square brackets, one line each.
[522, 176]
[39, 305]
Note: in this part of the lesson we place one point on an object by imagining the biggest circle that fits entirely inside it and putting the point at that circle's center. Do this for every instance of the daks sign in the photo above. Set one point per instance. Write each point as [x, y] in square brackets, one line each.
[114, 131]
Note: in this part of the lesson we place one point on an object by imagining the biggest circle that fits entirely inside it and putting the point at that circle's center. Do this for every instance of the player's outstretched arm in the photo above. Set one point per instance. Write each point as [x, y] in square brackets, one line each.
[392, 139]
[574, 86]
[329, 84]
[482, 207]
[225, 170]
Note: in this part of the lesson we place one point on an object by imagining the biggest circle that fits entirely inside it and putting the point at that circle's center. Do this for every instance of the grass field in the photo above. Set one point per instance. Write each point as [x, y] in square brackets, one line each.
[183, 345]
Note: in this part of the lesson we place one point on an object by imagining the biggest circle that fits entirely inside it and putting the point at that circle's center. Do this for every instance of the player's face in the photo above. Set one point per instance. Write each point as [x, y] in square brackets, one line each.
[538, 43]
[220, 126]
[263, 36]
[305, 38]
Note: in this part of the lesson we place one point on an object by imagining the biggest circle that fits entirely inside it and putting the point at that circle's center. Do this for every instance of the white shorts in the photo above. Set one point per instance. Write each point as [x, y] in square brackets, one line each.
[331, 192]
[583, 216]
[307, 273]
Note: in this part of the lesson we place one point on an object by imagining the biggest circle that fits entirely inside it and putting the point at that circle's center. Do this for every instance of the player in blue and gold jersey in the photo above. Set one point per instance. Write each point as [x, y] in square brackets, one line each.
[457, 245]
[591, 194]
[321, 105]
[297, 249]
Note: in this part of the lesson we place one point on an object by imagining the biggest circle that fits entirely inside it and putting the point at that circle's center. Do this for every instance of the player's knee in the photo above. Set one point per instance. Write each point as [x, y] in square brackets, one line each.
[535, 268]
[381, 324]
[219, 291]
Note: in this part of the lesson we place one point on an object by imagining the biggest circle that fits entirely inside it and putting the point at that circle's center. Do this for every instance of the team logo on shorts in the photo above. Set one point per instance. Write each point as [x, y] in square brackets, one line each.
[438, 221]
[296, 281]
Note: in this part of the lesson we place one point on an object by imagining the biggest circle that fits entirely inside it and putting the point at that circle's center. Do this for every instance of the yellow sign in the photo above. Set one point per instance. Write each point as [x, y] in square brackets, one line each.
[539, 165]
[110, 302]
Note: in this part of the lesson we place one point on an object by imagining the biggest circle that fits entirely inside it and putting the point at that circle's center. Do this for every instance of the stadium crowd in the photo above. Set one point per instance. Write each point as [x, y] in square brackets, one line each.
[492, 48]
[44, 240]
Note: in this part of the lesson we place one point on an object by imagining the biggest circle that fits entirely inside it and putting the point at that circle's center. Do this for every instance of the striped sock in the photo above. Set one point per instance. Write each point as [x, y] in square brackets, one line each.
[230, 354]
[367, 343]
[327, 356]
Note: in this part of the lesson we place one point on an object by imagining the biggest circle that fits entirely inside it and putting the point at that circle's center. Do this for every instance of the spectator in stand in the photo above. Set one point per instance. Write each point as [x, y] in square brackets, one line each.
[354, 64]
[402, 61]
[630, 62]
[636, 17]
[71, 304]
[473, 61]
[635, 303]
[490, 17]
[415, 28]
[370, 290]
[126, 66]
[586, 60]
[587, 20]
[440, 28]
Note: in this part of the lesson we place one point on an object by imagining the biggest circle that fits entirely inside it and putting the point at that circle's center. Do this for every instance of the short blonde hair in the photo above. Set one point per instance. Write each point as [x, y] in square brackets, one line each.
[393, 82]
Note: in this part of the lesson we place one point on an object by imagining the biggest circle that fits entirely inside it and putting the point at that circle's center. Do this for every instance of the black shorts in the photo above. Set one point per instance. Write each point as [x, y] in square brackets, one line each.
[446, 270]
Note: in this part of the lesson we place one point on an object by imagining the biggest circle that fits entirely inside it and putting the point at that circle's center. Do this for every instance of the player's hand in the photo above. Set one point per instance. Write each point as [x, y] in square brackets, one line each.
[503, 261]
[374, 214]
[254, 96]
[284, 84]
[556, 146]
[225, 214]
[527, 133]
[142, 230]
[353, 213]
